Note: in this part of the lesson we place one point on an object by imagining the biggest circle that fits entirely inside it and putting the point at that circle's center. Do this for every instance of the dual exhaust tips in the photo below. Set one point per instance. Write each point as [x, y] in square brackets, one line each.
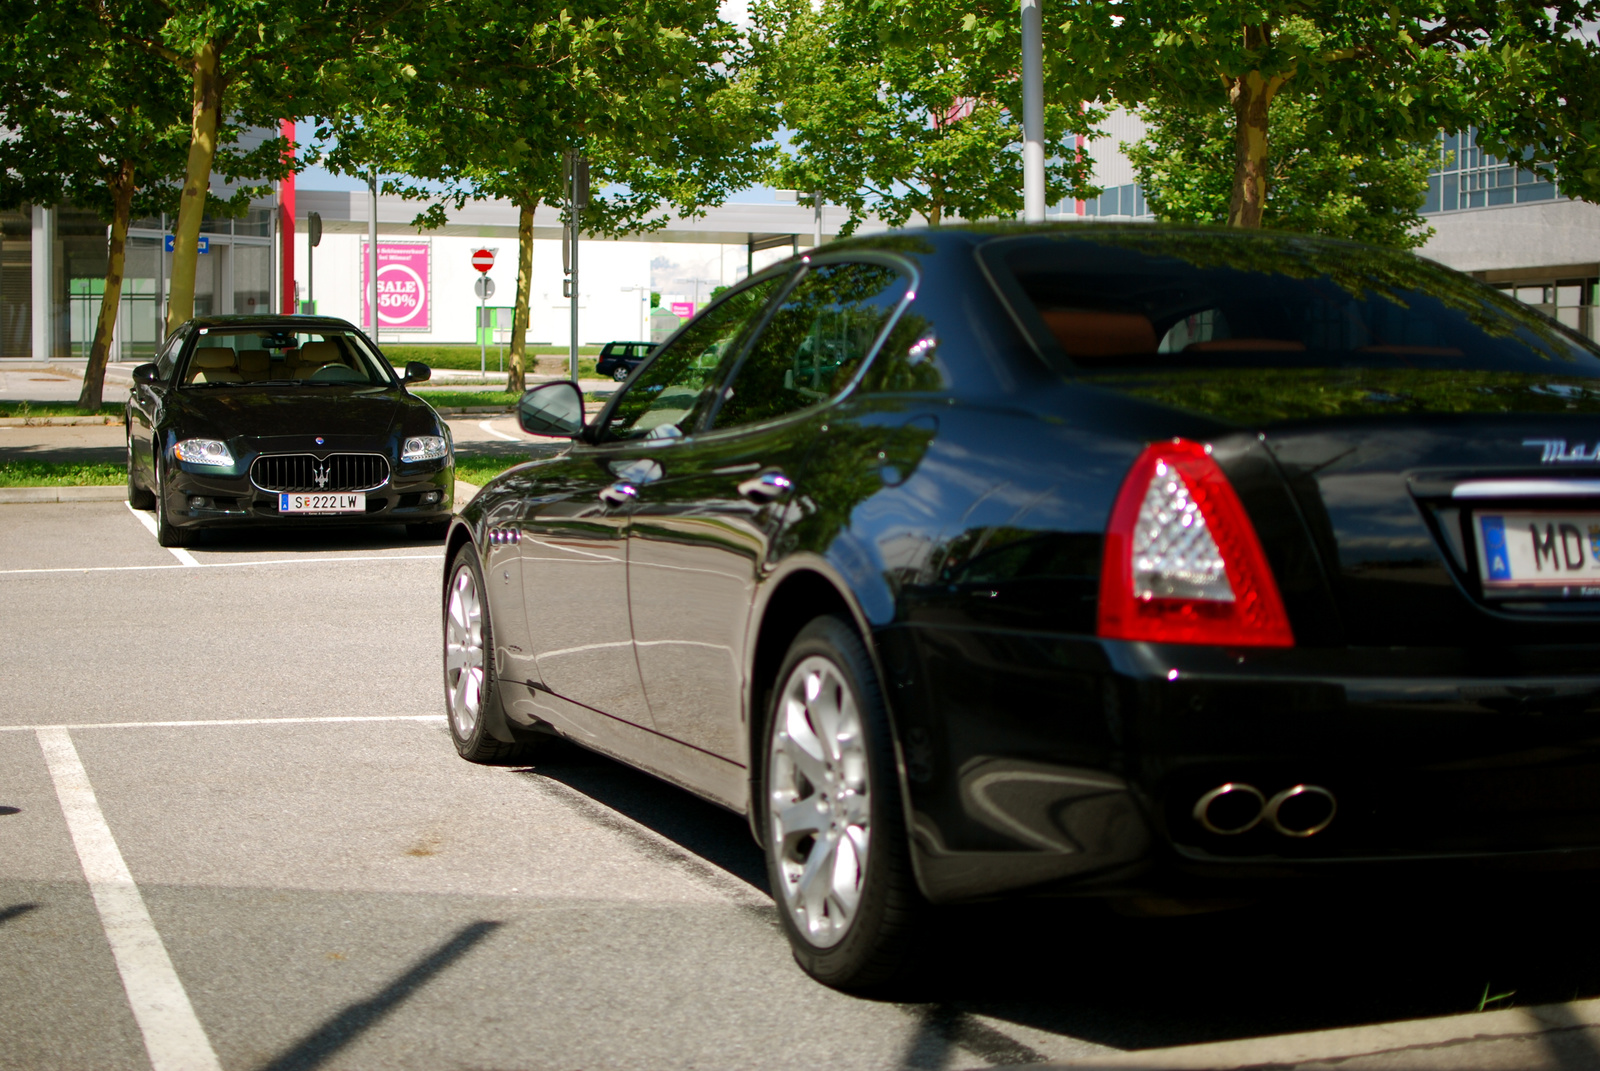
[1234, 808]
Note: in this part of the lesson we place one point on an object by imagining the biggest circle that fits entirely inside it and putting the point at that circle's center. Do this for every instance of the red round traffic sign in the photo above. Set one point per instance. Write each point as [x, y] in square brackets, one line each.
[482, 259]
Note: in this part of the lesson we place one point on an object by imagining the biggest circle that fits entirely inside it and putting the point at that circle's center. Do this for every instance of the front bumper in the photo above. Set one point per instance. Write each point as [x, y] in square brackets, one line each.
[1074, 764]
[413, 494]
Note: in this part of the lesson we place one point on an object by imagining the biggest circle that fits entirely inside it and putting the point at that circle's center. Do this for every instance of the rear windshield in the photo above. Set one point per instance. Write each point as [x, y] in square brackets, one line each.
[234, 359]
[1146, 298]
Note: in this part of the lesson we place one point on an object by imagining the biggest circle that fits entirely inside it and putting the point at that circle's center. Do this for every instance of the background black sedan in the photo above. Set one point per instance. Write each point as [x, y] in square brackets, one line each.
[1131, 562]
[266, 420]
[618, 359]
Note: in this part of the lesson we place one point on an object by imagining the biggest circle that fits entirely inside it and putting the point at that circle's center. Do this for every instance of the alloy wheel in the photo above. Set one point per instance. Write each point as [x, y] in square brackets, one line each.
[819, 801]
[463, 653]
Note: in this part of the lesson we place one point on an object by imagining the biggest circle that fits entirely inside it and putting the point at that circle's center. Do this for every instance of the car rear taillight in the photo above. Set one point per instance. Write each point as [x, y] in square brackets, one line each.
[1182, 561]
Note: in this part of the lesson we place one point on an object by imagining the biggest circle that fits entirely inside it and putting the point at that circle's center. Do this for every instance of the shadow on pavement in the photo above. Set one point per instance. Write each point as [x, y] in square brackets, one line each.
[16, 911]
[323, 1043]
[312, 538]
[1076, 968]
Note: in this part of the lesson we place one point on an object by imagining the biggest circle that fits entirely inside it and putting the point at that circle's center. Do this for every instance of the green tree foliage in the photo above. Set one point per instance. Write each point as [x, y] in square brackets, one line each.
[91, 125]
[909, 107]
[1316, 184]
[1541, 105]
[652, 95]
[1384, 73]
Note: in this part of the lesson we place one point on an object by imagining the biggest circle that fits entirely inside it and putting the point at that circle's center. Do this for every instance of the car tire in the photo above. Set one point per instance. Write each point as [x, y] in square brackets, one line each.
[428, 531]
[139, 497]
[621, 374]
[167, 533]
[471, 688]
[827, 720]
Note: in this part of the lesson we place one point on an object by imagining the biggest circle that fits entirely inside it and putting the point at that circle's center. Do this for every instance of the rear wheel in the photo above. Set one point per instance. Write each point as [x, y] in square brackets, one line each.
[620, 373]
[167, 533]
[139, 496]
[837, 856]
[471, 689]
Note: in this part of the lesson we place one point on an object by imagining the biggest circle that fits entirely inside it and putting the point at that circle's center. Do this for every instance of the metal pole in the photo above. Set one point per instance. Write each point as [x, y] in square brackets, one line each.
[1032, 112]
[483, 347]
[311, 272]
[372, 249]
[572, 221]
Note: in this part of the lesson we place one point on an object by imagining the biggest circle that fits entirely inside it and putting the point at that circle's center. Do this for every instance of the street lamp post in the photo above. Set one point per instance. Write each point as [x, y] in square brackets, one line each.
[1032, 111]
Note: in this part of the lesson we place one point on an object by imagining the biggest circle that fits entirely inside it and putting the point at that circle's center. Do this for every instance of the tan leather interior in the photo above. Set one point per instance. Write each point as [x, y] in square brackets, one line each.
[254, 365]
[214, 365]
[314, 355]
[1090, 333]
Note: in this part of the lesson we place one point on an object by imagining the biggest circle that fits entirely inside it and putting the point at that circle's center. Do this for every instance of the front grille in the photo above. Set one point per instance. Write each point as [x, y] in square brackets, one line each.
[305, 472]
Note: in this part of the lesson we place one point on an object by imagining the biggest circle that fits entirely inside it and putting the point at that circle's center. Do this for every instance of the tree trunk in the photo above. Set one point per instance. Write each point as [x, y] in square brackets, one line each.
[196, 183]
[94, 374]
[516, 361]
[1251, 95]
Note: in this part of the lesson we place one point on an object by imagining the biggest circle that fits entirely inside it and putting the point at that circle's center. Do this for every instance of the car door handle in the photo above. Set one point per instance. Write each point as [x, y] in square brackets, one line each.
[619, 494]
[765, 487]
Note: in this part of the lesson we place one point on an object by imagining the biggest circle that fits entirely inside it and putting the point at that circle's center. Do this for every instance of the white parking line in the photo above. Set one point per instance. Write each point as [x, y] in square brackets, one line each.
[484, 424]
[183, 556]
[173, 1036]
[234, 565]
[75, 726]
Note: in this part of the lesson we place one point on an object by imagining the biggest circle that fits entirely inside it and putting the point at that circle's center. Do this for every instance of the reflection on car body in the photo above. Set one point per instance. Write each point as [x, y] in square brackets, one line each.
[1092, 560]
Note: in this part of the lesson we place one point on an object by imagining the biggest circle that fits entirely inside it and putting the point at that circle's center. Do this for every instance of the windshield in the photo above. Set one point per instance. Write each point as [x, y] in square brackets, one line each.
[1149, 298]
[257, 356]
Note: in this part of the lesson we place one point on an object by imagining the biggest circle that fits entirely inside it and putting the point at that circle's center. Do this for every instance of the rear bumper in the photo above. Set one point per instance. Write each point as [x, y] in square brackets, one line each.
[235, 501]
[1073, 764]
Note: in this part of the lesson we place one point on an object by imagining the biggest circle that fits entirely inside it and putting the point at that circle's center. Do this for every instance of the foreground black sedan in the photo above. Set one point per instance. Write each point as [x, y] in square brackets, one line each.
[263, 420]
[1145, 563]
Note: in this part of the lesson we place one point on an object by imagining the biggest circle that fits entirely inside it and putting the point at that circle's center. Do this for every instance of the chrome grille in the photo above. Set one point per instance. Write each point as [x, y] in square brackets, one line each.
[306, 472]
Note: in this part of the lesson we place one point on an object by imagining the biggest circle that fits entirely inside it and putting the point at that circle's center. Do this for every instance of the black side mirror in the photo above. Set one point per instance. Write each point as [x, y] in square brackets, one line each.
[417, 372]
[552, 409]
[146, 374]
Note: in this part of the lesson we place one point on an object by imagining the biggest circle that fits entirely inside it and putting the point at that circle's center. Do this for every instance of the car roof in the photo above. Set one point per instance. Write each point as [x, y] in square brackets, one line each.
[288, 320]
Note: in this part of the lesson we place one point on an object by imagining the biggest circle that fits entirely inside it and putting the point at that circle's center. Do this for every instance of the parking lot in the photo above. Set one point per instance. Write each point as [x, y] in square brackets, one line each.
[252, 729]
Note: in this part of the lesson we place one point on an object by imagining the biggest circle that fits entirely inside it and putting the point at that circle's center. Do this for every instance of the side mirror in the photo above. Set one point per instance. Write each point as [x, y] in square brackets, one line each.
[552, 409]
[417, 372]
[146, 374]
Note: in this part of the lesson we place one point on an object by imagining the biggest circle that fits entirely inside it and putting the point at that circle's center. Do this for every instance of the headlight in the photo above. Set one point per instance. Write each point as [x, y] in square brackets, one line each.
[204, 452]
[424, 448]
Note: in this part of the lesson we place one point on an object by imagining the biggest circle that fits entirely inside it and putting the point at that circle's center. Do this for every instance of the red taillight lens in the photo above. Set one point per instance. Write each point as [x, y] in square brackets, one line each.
[1182, 562]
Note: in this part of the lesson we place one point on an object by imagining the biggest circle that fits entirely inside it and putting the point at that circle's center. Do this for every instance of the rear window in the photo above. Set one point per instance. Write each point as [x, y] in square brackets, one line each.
[1146, 298]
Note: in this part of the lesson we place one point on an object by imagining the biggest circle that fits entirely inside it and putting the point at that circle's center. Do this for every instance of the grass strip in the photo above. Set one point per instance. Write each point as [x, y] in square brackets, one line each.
[46, 409]
[465, 357]
[25, 473]
[480, 470]
[444, 397]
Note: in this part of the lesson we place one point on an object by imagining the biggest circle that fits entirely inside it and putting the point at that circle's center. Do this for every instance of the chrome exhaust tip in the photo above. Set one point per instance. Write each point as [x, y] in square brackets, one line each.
[1301, 811]
[1230, 809]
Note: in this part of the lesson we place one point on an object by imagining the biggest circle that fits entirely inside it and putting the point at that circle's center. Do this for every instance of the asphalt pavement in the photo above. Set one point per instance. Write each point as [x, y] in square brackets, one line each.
[233, 833]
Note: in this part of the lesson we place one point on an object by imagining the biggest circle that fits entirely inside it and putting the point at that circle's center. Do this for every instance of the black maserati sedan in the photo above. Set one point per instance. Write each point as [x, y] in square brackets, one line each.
[273, 420]
[1167, 565]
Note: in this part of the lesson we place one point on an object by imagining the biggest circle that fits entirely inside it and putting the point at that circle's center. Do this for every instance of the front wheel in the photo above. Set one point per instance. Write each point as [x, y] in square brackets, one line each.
[620, 374]
[139, 497]
[167, 533]
[471, 689]
[837, 855]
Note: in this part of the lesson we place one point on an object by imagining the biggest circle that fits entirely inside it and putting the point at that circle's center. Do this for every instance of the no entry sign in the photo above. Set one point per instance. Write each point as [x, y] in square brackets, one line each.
[482, 259]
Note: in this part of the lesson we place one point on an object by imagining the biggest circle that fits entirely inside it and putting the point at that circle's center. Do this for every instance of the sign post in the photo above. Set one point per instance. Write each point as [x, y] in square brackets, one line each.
[483, 260]
[577, 201]
[313, 239]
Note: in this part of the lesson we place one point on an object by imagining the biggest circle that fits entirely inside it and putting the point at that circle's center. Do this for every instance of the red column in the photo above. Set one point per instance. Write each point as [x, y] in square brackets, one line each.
[286, 226]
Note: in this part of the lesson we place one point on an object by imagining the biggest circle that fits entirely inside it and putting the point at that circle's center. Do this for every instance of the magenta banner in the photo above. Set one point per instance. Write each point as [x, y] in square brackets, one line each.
[404, 285]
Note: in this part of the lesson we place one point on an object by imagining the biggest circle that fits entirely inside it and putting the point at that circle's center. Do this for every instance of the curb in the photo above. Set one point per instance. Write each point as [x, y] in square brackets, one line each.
[102, 493]
[464, 493]
[56, 421]
[1520, 1037]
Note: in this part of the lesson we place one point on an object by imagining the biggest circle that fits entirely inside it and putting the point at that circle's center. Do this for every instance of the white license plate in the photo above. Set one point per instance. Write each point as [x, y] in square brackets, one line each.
[1539, 550]
[322, 503]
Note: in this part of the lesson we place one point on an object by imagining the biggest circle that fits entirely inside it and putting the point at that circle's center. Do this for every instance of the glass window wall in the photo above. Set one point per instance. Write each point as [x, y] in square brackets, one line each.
[16, 284]
[1466, 176]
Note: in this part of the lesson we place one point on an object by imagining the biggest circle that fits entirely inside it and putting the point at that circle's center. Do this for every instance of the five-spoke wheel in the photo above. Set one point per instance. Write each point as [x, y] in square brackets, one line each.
[471, 690]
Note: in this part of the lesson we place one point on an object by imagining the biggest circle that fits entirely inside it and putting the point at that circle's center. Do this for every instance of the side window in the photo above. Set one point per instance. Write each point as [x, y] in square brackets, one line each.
[908, 362]
[674, 390]
[169, 357]
[814, 344]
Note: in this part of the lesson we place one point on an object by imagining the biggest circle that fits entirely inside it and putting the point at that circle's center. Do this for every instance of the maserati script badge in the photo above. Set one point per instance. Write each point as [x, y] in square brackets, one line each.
[1556, 452]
